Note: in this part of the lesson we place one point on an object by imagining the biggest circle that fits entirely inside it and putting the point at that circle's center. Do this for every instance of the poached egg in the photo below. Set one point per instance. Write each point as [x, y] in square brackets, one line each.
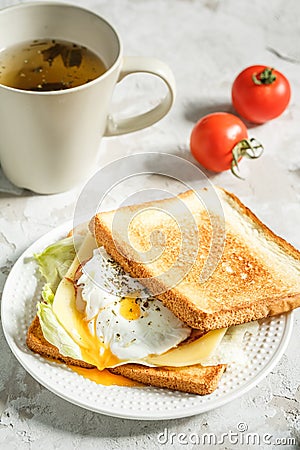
[132, 327]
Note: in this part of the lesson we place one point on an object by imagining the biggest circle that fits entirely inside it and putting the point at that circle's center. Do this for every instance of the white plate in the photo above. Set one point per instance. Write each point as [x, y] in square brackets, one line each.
[21, 292]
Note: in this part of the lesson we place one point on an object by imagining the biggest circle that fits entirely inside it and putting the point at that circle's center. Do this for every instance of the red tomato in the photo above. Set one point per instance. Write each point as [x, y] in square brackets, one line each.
[213, 139]
[260, 93]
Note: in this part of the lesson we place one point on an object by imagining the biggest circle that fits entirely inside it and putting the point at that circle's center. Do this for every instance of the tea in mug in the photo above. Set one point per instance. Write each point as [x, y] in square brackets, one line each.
[48, 65]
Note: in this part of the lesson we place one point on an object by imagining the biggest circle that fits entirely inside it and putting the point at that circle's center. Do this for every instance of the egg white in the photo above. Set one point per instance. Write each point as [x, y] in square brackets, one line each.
[154, 332]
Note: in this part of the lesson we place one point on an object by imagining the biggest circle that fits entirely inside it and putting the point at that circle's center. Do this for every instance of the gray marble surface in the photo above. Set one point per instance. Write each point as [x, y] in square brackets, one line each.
[206, 42]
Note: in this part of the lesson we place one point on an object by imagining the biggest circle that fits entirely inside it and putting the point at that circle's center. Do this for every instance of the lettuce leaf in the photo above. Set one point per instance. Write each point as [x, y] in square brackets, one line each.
[55, 333]
[47, 294]
[55, 261]
[53, 264]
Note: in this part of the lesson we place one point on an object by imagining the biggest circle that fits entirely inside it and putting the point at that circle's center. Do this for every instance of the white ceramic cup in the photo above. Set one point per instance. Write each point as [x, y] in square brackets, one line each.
[49, 141]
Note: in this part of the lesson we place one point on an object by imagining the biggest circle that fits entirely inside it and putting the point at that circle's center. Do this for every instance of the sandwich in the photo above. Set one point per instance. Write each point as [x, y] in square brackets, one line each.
[161, 293]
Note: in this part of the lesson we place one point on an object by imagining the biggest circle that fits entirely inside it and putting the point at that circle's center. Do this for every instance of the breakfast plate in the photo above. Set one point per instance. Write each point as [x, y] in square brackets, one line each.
[20, 295]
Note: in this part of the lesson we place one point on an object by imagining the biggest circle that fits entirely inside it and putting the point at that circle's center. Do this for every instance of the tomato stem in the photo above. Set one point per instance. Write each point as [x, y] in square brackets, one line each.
[248, 148]
[266, 76]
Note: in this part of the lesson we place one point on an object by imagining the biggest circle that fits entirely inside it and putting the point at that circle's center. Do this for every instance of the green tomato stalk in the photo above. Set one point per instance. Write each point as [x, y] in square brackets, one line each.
[265, 77]
[248, 148]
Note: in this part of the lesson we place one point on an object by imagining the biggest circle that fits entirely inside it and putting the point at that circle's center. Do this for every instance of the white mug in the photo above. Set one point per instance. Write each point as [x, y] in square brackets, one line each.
[49, 141]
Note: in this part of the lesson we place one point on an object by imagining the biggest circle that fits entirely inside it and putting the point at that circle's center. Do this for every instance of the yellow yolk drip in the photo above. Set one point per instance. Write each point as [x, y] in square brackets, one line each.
[104, 377]
[129, 308]
[92, 349]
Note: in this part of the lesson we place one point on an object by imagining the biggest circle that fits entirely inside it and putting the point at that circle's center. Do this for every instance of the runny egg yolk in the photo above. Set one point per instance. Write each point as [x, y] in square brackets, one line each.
[92, 349]
[104, 377]
[129, 308]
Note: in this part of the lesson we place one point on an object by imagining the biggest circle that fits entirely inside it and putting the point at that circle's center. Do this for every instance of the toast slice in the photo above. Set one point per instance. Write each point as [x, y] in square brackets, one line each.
[193, 379]
[257, 275]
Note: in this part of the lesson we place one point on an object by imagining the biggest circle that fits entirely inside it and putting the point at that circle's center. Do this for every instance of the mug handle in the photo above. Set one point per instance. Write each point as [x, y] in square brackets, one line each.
[134, 64]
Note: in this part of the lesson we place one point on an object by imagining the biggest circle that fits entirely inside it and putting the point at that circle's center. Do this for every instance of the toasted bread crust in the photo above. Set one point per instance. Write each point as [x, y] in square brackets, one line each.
[282, 243]
[226, 313]
[194, 379]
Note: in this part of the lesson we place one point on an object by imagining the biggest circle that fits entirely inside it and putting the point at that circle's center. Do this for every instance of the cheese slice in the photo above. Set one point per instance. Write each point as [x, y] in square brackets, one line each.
[65, 301]
[65, 309]
[189, 354]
